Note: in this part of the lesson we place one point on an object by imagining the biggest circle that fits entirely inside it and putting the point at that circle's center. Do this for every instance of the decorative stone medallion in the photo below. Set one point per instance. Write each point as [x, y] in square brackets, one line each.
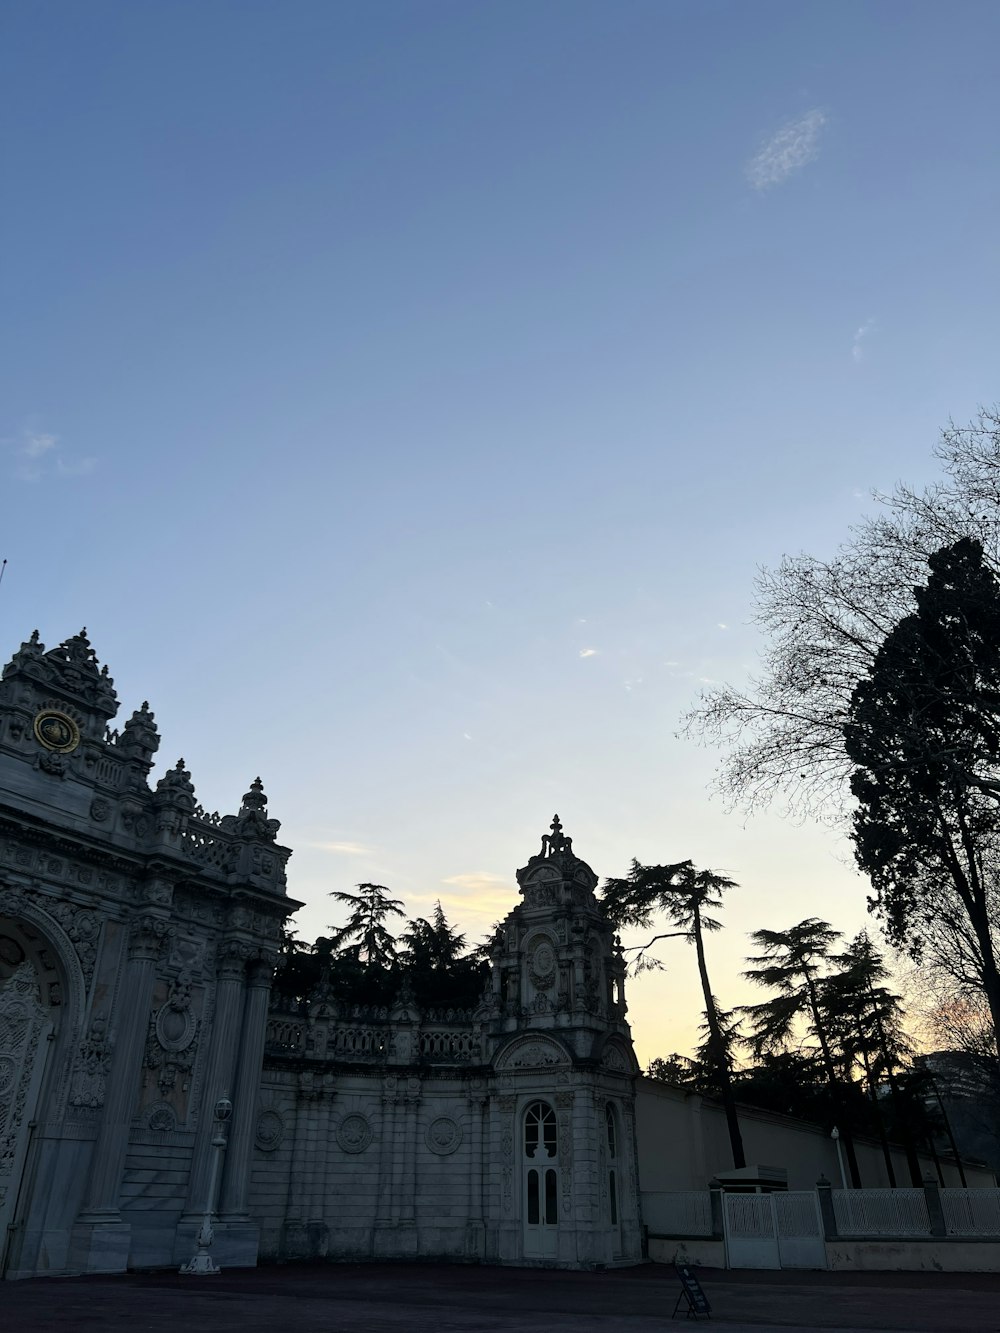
[162, 1118]
[56, 731]
[543, 965]
[443, 1135]
[270, 1131]
[354, 1133]
[175, 1027]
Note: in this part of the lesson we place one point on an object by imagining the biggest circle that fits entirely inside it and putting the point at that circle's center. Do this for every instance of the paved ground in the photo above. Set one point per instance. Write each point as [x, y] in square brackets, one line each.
[412, 1298]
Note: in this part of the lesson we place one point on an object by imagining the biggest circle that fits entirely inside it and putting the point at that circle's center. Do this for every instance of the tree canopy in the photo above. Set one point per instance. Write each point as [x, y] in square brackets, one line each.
[923, 733]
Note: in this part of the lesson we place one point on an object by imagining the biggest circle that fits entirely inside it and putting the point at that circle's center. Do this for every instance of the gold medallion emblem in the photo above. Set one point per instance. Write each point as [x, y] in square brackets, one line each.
[56, 731]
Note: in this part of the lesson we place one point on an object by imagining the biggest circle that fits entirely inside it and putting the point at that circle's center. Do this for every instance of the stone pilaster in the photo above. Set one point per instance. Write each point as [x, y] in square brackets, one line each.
[236, 1182]
[475, 1243]
[386, 1168]
[219, 1067]
[100, 1239]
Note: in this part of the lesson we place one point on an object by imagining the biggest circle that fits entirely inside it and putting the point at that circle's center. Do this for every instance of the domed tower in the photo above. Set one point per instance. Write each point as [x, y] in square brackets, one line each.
[564, 1069]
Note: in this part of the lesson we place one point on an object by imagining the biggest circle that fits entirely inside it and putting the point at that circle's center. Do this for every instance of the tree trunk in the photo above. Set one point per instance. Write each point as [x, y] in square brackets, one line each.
[718, 1048]
[879, 1121]
[844, 1124]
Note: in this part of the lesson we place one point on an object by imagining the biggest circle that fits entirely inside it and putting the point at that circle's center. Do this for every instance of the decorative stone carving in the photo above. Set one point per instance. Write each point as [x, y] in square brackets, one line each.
[100, 810]
[532, 1054]
[161, 1117]
[90, 1068]
[270, 1131]
[22, 1051]
[542, 965]
[252, 821]
[354, 1133]
[614, 1059]
[83, 927]
[170, 1045]
[443, 1135]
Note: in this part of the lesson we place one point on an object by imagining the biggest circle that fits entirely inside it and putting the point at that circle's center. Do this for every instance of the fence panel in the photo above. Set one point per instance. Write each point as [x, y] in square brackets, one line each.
[973, 1212]
[677, 1212]
[881, 1212]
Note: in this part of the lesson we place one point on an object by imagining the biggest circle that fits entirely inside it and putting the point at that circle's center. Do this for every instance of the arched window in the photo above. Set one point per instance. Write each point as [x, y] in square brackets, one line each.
[541, 1184]
[609, 1117]
[539, 1131]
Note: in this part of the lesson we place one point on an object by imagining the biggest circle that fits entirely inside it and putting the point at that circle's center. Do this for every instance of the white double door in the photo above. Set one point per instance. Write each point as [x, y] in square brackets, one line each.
[779, 1230]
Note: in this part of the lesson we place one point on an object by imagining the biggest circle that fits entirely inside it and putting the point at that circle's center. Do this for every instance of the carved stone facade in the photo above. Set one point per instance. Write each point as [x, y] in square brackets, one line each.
[125, 914]
[408, 1134]
[138, 938]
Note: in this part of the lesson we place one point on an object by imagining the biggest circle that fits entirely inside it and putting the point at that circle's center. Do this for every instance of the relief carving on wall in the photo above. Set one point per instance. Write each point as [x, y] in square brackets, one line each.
[91, 1065]
[171, 1043]
[443, 1135]
[270, 1131]
[354, 1133]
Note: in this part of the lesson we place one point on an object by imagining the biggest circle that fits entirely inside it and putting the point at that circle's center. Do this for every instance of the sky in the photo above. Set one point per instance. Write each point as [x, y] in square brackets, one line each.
[405, 395]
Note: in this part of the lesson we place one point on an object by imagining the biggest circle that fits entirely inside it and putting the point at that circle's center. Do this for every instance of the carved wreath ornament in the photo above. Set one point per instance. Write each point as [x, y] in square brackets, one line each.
[443, 1135]
[354, 1133]
[270, 1131]
[543, 965]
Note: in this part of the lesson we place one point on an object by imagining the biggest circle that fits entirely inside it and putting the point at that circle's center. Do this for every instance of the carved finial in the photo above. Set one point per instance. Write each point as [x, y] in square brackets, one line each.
[34, 636]
[555, 841]
[255, 798]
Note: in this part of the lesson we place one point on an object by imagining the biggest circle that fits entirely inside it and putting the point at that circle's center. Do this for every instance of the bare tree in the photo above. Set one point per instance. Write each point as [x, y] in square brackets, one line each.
[824, 621]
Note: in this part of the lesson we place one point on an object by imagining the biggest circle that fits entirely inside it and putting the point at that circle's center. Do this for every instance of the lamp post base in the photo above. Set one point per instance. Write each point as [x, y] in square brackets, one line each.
[202, 1265]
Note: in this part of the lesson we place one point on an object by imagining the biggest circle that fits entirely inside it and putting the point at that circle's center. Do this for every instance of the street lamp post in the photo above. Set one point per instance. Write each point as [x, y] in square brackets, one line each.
[835, 1135]
[201, 1263]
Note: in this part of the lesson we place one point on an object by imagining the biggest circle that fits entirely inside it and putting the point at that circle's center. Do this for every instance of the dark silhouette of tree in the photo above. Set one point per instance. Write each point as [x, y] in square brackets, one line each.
[685, 897]
[365, 927]
[438, 970]
[792, 963]
[923, 732]
[866, 1022]
[678, 1070]
[824, 621]
[299, 971]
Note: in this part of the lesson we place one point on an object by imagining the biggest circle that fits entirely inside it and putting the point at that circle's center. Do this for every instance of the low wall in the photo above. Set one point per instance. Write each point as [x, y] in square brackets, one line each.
[707, 1253]
[935, 1255]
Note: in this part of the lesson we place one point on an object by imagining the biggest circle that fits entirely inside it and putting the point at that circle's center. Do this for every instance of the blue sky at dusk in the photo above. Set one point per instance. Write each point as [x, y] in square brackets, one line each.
[405, 394]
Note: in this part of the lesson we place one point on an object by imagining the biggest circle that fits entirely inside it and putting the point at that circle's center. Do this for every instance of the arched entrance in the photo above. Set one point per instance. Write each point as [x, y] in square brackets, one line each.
[540, 1194]
[26, 1022]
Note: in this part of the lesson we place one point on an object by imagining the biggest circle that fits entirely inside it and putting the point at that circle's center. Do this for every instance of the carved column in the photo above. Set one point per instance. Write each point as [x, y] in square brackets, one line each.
[132, 1019]
[219, 1066]
[236, 1186]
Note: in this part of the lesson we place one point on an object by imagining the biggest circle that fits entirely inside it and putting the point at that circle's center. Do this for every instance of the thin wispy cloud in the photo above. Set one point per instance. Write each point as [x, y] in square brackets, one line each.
[343, 848]
[75, 467]
[36, 444]
[588, 652]
[791, 148]
[483, 896]
[857, 344]
[37, 454]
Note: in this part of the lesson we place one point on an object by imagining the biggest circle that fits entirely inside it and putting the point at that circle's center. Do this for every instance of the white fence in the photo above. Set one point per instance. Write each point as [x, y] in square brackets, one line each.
[971, 1212]
[881, 1212]
[677, 1212]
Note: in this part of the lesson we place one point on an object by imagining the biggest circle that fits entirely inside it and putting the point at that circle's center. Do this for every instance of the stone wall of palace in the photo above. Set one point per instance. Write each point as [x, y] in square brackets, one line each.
[153, 1107]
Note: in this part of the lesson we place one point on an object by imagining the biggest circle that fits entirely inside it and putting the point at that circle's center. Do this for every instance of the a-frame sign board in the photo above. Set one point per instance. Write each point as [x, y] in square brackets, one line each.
[691, 1293]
